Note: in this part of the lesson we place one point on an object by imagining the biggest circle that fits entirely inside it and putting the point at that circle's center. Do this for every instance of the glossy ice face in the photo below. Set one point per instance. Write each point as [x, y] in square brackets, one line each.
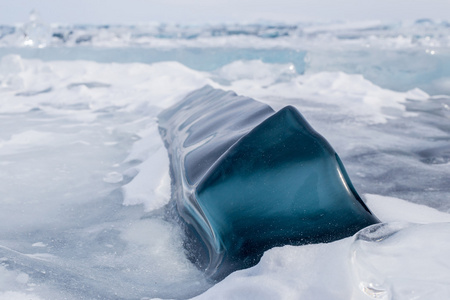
[247, 179]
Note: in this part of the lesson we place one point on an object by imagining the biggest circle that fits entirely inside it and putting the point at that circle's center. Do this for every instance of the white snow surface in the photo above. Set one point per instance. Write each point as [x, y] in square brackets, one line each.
[84, 178]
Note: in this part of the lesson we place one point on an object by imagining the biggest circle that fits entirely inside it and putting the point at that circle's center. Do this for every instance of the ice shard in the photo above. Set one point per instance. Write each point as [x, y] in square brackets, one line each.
[246, 179]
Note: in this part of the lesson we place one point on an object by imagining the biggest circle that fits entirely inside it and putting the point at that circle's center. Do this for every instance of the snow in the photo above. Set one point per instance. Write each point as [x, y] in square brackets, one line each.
[402, 211]
[84, 176]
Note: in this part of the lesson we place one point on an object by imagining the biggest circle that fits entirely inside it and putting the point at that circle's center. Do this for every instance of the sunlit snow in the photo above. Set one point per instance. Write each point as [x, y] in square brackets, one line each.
[84, 174]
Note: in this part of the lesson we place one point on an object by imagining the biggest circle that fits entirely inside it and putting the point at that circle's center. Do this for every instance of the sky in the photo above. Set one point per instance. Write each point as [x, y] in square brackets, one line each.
[219, 11]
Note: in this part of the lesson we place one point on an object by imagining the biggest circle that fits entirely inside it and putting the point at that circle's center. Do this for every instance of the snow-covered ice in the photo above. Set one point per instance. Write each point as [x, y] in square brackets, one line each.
[84, 174]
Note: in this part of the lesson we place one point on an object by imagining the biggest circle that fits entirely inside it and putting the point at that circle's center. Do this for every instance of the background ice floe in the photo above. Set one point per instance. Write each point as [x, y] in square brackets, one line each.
[84, 174]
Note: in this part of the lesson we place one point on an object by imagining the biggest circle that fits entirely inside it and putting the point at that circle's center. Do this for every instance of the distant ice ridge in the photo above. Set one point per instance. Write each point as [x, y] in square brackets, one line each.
[421, 33]
[420, 51]
[83, 181]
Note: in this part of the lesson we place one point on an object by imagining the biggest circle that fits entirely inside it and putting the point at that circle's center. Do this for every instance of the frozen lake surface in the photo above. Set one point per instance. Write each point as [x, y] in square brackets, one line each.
[84, 174]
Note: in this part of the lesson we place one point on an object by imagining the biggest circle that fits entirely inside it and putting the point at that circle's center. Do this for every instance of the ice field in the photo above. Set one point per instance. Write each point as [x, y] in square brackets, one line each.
[84, 175]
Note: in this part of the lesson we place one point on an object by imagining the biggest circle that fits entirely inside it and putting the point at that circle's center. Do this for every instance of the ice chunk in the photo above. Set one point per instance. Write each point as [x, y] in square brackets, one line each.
[246, 179]
[37, 33]
[402, 261]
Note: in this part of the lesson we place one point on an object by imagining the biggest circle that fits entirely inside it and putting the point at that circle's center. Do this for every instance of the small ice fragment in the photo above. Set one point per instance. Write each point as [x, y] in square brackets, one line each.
[37, 33]
[39, 244]
[400, 260]
[113, 177]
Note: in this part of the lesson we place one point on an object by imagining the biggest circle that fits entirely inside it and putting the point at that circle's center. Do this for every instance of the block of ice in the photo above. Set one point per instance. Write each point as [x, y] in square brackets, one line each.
[246, 179]
[401, 260]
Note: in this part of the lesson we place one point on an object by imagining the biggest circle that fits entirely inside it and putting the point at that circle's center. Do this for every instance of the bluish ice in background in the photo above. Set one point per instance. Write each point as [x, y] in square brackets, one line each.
[84, 174]
[418, 50]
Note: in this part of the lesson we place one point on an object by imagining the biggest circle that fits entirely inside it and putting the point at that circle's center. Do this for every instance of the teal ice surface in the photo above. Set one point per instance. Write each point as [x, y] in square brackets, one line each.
[279, 183]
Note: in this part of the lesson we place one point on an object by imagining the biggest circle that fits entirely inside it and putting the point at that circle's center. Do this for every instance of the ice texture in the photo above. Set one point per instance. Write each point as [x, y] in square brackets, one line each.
[419, 50]
[247, 179]
[389, 261]
[335, 271]
[68, 234]
[75, 215]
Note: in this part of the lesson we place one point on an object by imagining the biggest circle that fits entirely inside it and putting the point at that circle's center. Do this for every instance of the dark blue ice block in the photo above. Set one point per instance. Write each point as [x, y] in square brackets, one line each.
[246, 179]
